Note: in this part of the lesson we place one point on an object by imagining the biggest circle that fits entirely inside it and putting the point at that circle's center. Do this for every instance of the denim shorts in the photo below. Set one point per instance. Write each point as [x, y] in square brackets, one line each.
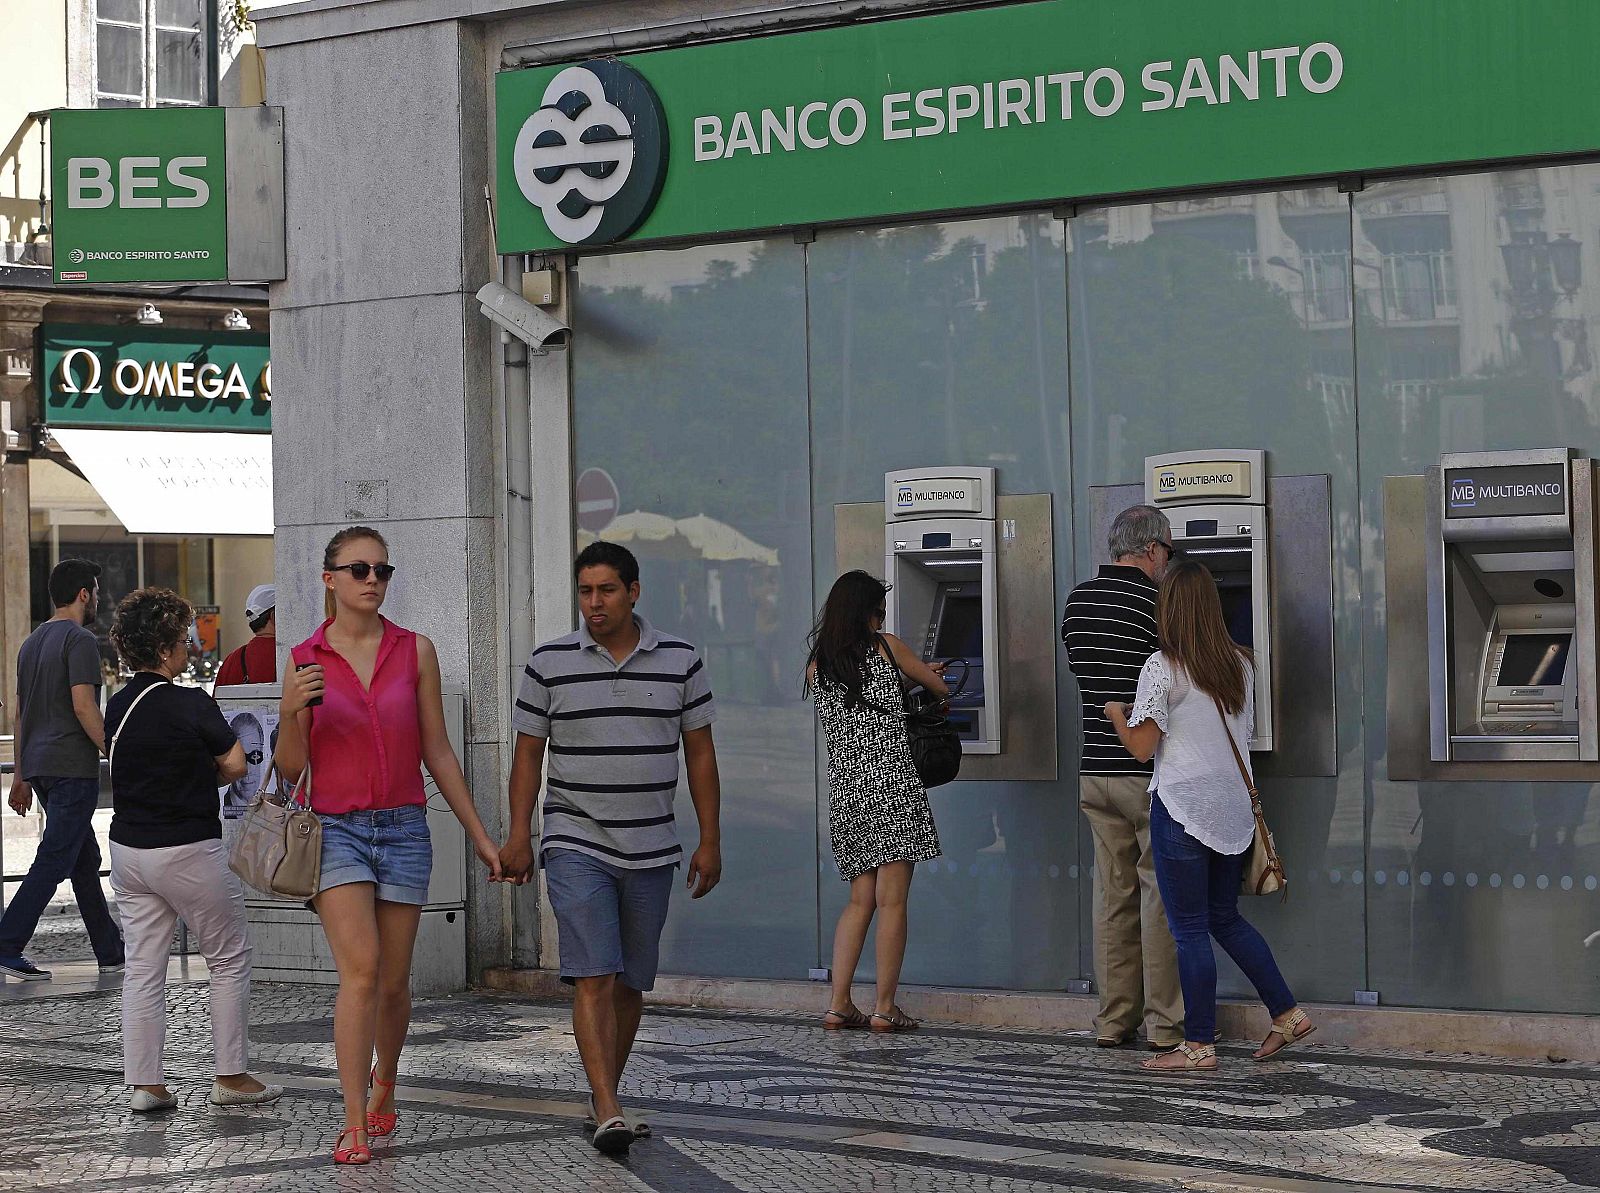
[609, 918]
[388, 847]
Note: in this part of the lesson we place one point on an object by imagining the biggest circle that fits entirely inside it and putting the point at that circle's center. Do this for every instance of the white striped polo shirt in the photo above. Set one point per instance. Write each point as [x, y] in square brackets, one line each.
[1109, 630]
[613, 731]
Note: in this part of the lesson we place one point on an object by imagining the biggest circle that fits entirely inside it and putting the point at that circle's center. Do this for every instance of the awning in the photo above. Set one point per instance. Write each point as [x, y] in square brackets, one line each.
[178, 482]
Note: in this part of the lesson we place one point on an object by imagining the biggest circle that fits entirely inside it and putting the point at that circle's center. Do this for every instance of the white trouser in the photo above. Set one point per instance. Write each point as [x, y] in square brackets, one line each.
[155, 888]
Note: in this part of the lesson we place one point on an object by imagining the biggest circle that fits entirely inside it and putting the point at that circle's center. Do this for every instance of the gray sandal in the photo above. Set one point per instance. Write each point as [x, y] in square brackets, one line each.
[895, 1020]
[851, 1020]
[641, 1128]
[613, 1137]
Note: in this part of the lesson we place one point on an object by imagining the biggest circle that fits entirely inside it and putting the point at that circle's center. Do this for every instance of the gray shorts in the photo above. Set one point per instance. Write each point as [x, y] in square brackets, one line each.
[609, 917]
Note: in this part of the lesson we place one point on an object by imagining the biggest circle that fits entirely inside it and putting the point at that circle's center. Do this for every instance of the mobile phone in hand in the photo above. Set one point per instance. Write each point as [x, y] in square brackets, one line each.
[316, 700]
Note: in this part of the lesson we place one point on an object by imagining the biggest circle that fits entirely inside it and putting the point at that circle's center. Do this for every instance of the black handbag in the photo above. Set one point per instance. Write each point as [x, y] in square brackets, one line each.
[935, 746]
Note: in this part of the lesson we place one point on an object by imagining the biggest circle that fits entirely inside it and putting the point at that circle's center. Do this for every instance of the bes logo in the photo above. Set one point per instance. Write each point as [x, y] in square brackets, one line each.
[1463, 494]
[76, 256]
[593, 157]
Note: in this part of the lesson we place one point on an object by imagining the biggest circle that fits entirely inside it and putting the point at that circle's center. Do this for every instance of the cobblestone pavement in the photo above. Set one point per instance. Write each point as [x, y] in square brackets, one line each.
[490, 1099]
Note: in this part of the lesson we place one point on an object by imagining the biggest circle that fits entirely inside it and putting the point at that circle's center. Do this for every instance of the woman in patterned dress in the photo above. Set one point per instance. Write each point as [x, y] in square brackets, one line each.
[878, 814]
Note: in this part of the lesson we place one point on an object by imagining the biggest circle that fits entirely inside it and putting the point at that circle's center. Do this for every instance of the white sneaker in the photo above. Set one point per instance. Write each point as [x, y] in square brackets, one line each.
[143, 1101]
[221, 1095]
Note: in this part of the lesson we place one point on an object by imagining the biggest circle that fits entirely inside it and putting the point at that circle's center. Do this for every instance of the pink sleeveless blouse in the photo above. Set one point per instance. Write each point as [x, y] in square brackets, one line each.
[366, 743]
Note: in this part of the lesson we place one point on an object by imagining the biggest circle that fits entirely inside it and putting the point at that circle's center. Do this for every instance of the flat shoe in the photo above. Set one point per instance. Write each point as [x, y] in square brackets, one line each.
[143, 1101]
[1109, 1042]
[613, 1137]
[221, 1095]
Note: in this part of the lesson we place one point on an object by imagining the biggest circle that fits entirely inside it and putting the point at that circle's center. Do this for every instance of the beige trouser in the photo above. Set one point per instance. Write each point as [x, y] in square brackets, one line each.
[155, 888]
[1135, 961]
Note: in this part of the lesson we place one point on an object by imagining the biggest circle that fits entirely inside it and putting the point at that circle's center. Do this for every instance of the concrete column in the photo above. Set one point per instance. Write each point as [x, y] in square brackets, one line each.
[20, 316]
[384, 408]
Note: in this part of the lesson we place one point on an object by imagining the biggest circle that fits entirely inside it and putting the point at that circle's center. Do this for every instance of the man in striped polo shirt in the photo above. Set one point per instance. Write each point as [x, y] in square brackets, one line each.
[609, 706]
[1109, 630]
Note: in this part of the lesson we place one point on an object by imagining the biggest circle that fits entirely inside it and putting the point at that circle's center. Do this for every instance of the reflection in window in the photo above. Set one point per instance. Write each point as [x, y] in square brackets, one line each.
[690, 392]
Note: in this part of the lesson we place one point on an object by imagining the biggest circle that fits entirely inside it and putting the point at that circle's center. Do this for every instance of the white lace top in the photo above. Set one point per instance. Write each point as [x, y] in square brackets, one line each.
[1195, 773]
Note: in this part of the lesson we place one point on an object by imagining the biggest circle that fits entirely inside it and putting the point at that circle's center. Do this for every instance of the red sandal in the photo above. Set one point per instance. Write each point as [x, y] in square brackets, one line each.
[379, 1124]
[359, 1153]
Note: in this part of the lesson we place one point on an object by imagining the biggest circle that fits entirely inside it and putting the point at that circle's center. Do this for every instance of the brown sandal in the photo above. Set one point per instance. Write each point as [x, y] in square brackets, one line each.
[895, 1020]
[1201, 1059]
[1290, 1033]
[851, 1020]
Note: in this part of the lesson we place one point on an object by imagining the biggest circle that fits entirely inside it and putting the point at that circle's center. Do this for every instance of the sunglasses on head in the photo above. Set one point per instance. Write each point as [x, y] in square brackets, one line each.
[360, 569]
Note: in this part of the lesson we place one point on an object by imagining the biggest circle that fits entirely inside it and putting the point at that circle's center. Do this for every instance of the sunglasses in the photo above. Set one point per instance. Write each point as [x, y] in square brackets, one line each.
[1172, 552]
[361, 569]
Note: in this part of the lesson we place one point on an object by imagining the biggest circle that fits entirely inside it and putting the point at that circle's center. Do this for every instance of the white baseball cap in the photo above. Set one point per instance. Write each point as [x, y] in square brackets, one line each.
[262, 597]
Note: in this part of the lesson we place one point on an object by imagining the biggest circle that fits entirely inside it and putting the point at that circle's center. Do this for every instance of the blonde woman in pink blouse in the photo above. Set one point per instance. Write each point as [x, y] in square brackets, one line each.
[363, 706]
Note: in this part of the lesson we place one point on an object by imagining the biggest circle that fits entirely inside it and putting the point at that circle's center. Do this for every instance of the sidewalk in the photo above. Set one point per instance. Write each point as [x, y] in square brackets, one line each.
[490, 1099]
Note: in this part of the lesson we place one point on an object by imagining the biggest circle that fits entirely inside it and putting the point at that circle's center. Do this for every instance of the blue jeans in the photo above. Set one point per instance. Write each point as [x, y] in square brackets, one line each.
[1200, 888]
[67, 850]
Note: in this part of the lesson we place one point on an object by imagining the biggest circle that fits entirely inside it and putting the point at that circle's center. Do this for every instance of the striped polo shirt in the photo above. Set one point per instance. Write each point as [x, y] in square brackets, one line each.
[613, 731]
[1109, 630]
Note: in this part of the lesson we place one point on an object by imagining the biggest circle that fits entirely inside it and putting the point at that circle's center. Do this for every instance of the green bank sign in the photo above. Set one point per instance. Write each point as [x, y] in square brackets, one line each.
[1029, 104]
[100, 376]
[167, 194]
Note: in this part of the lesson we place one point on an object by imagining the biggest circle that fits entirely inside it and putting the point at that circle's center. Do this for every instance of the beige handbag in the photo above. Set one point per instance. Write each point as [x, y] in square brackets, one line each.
[1263, 869]
[278, 850]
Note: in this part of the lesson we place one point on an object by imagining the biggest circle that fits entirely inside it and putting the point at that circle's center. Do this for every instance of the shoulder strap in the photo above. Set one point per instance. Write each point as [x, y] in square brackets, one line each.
[111, 752]
[244, 661]
[1244, 771]
[865, 703]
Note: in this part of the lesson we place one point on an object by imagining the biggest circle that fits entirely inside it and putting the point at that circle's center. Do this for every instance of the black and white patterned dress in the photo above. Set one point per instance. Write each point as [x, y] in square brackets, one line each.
[877, 809]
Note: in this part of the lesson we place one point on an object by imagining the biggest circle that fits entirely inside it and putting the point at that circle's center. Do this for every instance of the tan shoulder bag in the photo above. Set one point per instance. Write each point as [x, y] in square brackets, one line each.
[278, 849]
[1263, 869]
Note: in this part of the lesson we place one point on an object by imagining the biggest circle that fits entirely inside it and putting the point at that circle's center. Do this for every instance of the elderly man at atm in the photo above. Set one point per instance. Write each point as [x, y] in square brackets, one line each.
[1109, 630]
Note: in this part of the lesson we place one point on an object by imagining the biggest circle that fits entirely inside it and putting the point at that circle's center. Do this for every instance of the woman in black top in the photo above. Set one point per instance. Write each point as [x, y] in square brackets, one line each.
[170, 750]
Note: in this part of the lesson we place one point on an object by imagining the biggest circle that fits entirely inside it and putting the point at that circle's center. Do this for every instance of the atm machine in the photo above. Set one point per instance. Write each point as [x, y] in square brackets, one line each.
[1216, 501]
[939, 558]
[1511, 609]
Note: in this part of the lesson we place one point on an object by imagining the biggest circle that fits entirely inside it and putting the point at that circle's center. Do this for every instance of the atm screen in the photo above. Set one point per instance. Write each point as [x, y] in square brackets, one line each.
[1533, 660]
[1238, 615]
[960, 629]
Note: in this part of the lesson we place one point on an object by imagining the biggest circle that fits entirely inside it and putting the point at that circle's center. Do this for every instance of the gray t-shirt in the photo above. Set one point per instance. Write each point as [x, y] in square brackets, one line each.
[56, 657]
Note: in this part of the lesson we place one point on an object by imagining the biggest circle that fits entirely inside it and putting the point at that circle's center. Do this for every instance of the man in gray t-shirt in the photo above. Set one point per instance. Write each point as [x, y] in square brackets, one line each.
[60, 736]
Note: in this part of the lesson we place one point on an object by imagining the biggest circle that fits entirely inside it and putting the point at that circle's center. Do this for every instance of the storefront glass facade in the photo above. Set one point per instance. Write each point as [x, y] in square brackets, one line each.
[1358, 336]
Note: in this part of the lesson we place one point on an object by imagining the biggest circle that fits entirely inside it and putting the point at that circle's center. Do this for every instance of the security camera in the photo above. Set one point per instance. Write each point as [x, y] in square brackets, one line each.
[516, 315]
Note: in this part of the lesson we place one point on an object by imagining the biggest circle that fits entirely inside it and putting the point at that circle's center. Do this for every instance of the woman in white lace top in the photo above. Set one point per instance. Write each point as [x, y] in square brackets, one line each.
[1193, 694]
